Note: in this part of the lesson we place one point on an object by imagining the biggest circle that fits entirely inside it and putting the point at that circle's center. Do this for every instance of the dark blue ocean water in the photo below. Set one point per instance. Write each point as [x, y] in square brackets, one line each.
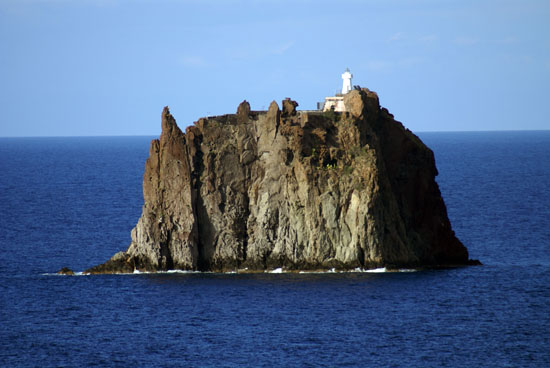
[73, 201]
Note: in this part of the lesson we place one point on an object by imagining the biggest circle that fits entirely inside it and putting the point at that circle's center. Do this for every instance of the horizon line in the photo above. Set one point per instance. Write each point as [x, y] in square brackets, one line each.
[155, 135]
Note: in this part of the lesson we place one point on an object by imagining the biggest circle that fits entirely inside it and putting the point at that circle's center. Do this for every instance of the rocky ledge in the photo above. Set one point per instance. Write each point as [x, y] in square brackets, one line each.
[290, 189]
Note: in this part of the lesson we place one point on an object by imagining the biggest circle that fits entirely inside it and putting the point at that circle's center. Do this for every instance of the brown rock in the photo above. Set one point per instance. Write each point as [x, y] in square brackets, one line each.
[65, 271]
[289, 107]
[121, 262]
[290, 189]
[243, 111]
[353, 101]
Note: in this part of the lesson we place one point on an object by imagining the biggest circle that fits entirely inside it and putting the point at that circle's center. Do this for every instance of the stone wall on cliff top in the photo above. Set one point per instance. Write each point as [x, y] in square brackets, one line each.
[297, 190]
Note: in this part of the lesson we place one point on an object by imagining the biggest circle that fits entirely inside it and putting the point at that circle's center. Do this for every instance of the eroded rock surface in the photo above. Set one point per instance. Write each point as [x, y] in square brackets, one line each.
[290, 189]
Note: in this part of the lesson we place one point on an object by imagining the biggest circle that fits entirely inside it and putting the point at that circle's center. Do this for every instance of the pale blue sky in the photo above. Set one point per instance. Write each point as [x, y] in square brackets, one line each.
[107, 67]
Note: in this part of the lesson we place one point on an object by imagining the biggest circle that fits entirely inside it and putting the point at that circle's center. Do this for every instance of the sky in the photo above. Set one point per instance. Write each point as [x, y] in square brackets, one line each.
[108, 67]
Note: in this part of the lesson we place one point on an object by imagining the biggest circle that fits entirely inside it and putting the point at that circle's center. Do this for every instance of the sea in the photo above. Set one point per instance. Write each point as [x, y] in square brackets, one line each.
[73, 202]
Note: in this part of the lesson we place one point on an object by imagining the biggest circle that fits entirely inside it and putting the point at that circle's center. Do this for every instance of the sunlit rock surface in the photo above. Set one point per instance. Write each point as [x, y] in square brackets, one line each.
[291, 190]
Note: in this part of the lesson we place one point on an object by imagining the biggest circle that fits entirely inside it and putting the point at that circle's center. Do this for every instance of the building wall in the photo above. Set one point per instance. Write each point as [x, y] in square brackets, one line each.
[337, 102]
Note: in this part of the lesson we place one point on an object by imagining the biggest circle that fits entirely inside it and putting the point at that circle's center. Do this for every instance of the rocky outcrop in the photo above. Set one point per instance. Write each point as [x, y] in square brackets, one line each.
[121, 262]
[65, 271]
[297, 190]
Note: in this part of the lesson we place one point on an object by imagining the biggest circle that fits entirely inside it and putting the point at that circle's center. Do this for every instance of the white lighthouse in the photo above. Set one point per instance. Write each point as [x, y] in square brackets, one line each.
[346, 85]
[336, 103]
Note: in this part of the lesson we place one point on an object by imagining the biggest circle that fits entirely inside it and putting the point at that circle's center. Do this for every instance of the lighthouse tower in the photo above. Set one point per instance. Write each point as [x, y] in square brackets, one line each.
[336, 103]
[346, 85]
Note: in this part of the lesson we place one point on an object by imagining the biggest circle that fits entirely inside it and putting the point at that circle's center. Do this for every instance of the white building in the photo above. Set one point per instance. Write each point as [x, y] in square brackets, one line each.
[336, 102]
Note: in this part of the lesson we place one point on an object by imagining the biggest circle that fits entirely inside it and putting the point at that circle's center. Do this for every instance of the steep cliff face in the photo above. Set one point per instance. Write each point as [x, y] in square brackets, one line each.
[298, 190]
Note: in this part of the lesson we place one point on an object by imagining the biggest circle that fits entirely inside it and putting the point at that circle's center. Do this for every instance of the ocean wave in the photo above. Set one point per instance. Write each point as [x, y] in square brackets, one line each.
[62, 274]
[377, 270]
[278, 270]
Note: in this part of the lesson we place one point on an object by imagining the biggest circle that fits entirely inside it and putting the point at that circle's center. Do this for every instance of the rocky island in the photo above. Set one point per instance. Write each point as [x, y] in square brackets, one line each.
[297, 190]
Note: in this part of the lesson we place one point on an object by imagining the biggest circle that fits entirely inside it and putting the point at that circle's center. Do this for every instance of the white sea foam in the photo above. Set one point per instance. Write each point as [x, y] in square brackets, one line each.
[62, 274]
[137, 272]
[377, 270]
[276, 270]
